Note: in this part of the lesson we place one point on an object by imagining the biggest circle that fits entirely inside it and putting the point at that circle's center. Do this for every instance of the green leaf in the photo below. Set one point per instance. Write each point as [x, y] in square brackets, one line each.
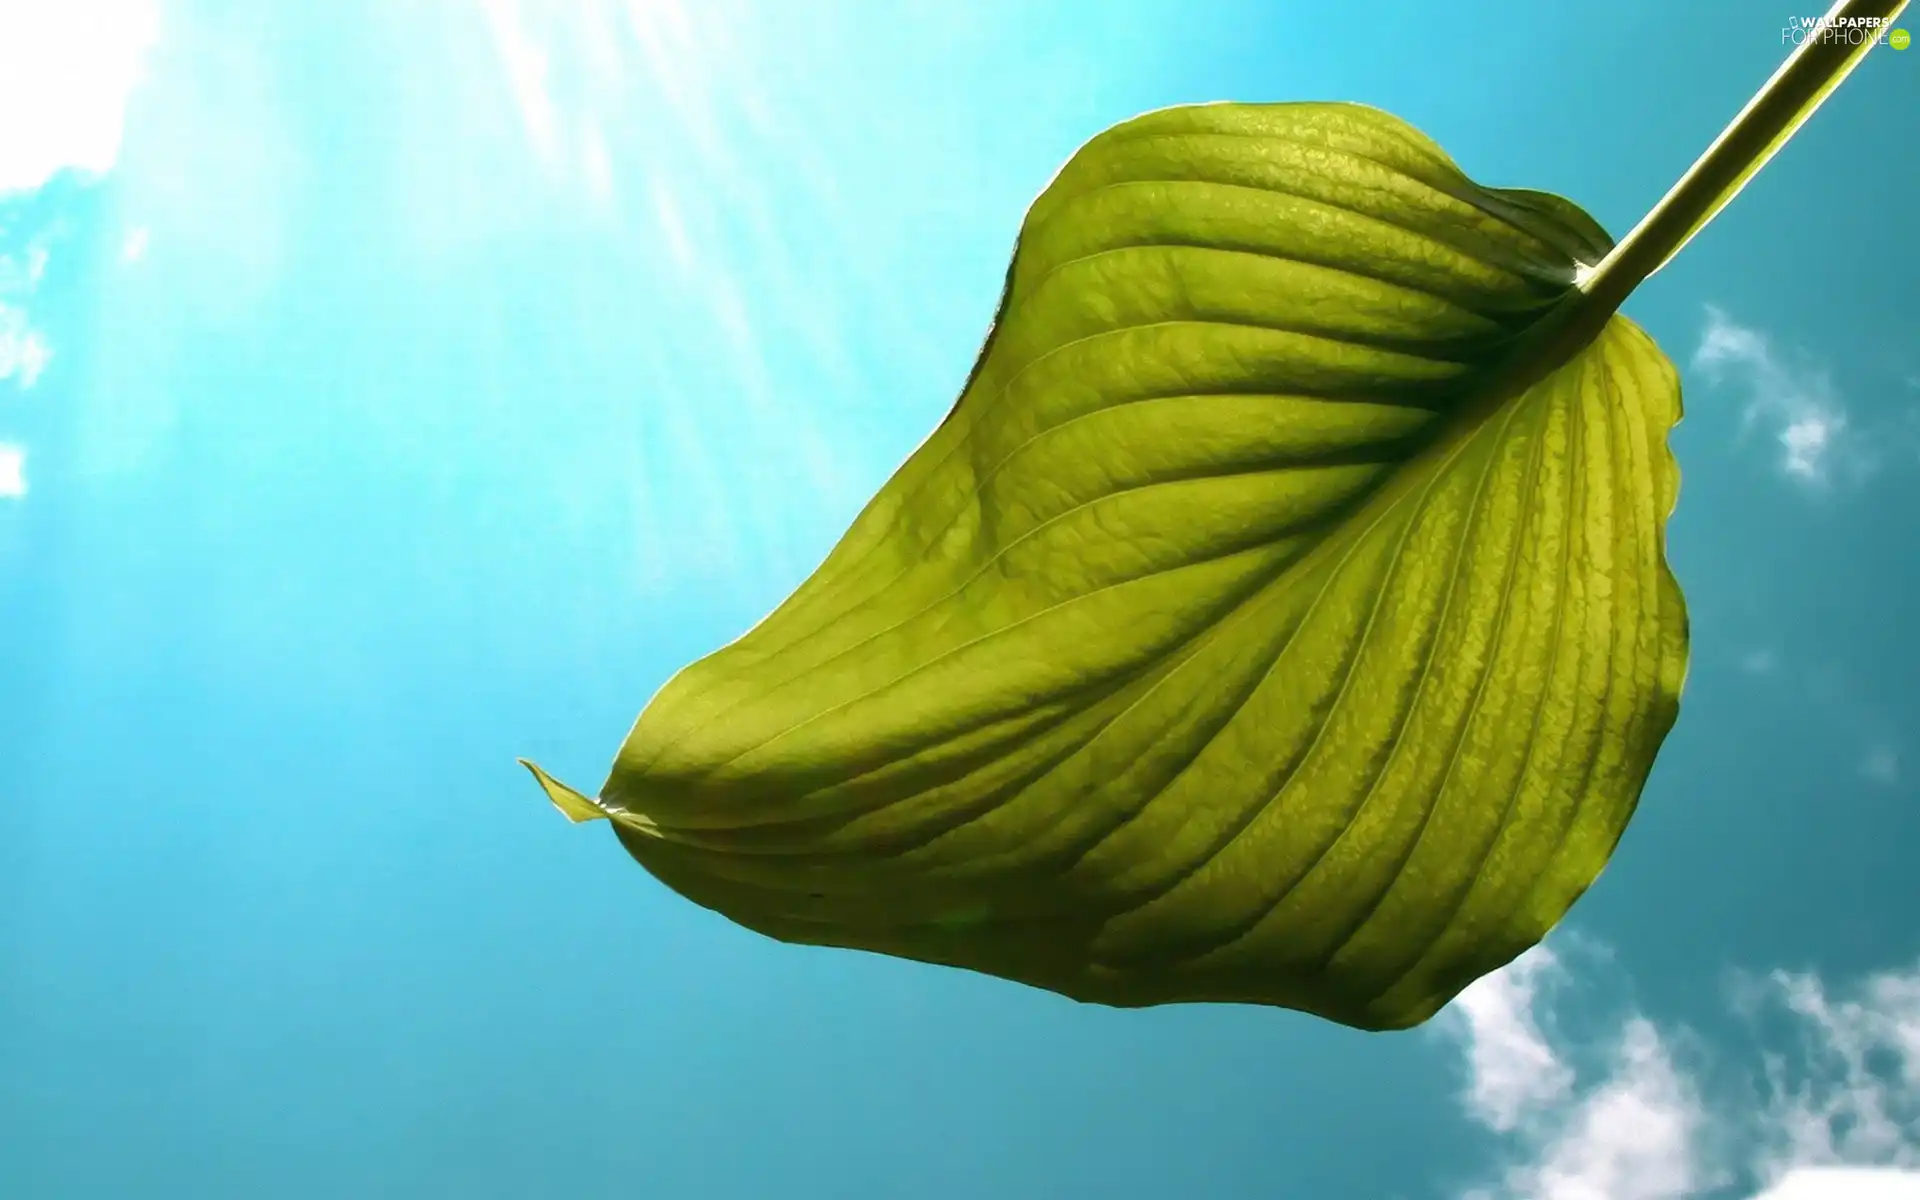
[1281, 615]
[1226, 642]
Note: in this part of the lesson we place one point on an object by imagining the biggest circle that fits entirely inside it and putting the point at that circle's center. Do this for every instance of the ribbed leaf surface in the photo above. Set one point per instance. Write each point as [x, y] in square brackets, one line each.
[1274, 618]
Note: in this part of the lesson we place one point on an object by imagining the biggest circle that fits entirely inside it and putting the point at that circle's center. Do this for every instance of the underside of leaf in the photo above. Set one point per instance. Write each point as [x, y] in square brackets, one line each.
[1279, 616]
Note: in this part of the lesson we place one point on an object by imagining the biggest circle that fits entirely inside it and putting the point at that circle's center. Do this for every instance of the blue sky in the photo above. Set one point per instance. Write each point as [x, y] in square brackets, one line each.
[387, 390]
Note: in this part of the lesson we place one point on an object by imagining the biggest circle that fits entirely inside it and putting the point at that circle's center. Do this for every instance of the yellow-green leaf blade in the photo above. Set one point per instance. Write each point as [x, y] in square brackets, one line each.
[1278, 617]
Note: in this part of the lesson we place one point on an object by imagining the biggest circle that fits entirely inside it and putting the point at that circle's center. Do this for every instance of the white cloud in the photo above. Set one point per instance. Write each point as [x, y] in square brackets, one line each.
[1845, 1183]
[1631, 1136]
[133, 247]
[66, 71]
[1797, 404]
[13, 471]
[1855, 1101]
[1512, 1068]
[1834, 1115]
[1809, 440]
[24, 352]
[23, 274]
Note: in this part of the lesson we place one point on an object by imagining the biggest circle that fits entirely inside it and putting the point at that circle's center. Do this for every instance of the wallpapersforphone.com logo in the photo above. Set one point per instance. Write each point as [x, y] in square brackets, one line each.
[1850, 31]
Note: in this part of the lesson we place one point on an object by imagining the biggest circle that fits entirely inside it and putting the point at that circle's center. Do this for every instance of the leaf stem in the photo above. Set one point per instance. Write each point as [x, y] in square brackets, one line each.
[1810, 74]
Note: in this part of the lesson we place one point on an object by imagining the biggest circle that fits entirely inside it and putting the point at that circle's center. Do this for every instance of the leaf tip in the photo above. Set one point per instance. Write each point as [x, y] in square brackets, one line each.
[572, 805]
